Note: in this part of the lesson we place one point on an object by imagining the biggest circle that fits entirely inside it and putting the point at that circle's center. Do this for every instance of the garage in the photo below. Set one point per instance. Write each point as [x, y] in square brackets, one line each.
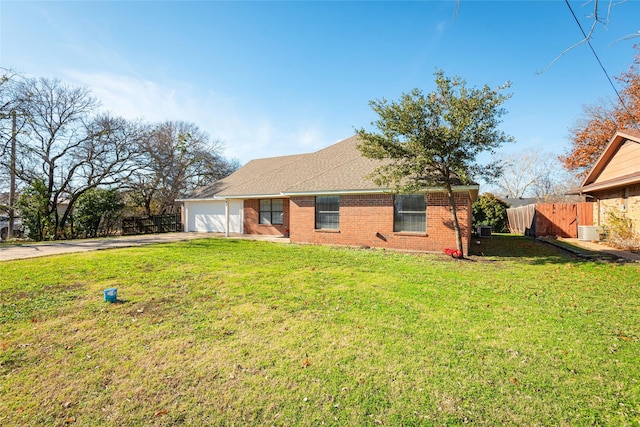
[209, 216]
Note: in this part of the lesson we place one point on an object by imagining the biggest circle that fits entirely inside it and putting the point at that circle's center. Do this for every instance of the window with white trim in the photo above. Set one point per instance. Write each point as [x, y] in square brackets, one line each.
[271, 211]
[409, 213]
[327, 212]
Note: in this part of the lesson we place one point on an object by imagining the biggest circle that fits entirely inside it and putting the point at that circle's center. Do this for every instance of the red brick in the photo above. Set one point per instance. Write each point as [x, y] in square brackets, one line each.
[367, 220]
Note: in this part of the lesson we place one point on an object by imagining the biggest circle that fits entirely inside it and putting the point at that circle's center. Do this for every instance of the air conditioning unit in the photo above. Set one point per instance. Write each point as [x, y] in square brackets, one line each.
[484, 231]
[588, 233]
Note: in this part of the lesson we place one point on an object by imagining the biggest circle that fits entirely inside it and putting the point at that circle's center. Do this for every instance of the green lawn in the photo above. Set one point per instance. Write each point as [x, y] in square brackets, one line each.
[230, 332]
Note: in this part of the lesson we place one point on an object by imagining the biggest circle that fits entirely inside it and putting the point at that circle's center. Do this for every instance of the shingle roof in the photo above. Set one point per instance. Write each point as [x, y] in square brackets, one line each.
[254, 178]
[339, 167]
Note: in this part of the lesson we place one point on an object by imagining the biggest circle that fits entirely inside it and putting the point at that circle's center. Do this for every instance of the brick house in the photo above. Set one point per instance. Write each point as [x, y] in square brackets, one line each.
[326, 197]
[614, 181]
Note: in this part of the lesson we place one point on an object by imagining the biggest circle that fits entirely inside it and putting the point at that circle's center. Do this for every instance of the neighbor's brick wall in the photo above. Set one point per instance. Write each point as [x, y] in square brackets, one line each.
[367, 220]
[613, 199]
[252, 219]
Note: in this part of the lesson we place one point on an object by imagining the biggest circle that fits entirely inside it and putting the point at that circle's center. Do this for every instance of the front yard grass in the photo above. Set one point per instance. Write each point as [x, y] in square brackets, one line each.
[231, 332]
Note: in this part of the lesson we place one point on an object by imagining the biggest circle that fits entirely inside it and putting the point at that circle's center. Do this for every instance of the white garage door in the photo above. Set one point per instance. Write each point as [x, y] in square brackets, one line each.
[209, 216]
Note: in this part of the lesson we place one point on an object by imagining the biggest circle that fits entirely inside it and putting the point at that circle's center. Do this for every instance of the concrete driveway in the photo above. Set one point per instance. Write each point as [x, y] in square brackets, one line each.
[32, 250]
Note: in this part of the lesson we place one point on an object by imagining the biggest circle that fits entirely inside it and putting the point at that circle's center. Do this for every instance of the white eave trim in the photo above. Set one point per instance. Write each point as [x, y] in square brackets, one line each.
[336, 192]
[241, 197]
[456, 189]
[605, 186]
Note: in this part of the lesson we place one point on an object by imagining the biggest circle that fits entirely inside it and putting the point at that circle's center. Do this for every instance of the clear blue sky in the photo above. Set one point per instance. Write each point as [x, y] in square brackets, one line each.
[286, 77]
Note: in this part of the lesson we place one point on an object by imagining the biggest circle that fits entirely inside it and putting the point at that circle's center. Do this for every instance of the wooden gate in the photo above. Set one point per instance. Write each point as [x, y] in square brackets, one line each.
[562, 219]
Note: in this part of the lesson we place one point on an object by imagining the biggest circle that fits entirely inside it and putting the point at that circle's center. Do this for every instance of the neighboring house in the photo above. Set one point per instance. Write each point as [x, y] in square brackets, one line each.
[614, 181]
[516, 202]
[326, 197]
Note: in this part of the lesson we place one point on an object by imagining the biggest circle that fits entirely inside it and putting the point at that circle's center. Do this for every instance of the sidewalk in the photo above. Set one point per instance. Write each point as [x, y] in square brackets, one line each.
[10, 251]
[597, 247]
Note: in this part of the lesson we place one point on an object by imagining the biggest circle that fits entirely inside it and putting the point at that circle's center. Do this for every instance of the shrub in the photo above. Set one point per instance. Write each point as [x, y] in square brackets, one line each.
[97, 212]
[33, 206]
[620, 229]
[491, 211]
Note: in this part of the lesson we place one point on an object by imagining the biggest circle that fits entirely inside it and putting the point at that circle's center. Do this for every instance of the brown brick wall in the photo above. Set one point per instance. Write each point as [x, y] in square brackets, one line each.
[367, 220]
[252, 219]
[612, 200]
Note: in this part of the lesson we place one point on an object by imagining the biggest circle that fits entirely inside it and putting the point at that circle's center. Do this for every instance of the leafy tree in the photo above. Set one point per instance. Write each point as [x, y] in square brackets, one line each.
[33, 205]
[178, 157]
[434, 139]
[491, 211]
[601, 121]
[97, 212]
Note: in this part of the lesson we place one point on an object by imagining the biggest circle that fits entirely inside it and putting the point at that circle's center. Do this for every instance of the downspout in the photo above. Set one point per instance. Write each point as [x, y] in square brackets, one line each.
[183, 216]
[226, 217]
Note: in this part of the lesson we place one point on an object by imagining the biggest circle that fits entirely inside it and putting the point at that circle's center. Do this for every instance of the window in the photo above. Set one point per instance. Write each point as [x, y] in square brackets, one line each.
[271, 211]
[409, 213]
[327, 212]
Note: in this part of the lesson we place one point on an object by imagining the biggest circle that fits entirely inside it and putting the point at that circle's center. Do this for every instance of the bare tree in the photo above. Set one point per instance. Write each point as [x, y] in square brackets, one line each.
[70, 148]
[599, 16]
[6, 100]
[11, 121]
[533, 173]
[178, 158]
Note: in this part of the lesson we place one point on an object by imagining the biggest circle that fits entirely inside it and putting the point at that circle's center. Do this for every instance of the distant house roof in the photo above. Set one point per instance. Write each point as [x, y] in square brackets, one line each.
[516, 202]
[338, 168]
[617, 166]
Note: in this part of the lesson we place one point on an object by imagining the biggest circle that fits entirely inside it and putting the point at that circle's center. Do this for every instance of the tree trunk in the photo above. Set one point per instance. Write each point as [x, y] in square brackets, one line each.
[456, 224]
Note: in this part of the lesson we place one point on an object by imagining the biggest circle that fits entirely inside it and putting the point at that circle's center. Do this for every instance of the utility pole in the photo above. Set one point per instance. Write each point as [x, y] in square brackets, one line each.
[12, 175]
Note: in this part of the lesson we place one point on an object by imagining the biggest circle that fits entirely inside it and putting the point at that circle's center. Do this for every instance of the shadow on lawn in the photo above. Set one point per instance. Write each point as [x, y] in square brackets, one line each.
[516, 246]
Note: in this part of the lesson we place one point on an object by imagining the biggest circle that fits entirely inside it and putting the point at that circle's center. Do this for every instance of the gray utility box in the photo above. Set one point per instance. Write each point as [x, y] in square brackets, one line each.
[484, 231]
[588, 233]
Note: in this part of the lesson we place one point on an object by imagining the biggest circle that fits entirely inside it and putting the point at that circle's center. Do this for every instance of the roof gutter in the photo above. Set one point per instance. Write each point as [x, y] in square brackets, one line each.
[456, 189]
[605, 186]
[336, 192]
[219, 198]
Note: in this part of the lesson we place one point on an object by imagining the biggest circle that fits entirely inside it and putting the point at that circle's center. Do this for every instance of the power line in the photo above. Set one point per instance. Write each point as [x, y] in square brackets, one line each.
[588, 40]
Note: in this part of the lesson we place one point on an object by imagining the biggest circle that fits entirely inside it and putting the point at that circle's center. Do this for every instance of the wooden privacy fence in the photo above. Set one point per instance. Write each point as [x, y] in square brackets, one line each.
[521, 219]
[550, 219]
[152, 224]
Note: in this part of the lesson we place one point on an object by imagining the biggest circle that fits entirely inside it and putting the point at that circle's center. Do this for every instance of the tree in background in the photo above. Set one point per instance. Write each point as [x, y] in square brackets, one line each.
[66, 144]
[434, 139]
[72, 148]
[533, 173]
[34, 206]
[12, 120]
[178, 157]
[97, 212]
[491, 211]
[601, 121]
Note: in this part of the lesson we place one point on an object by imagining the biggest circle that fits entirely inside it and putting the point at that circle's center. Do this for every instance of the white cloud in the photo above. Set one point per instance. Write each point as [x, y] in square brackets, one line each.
[245, 134]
